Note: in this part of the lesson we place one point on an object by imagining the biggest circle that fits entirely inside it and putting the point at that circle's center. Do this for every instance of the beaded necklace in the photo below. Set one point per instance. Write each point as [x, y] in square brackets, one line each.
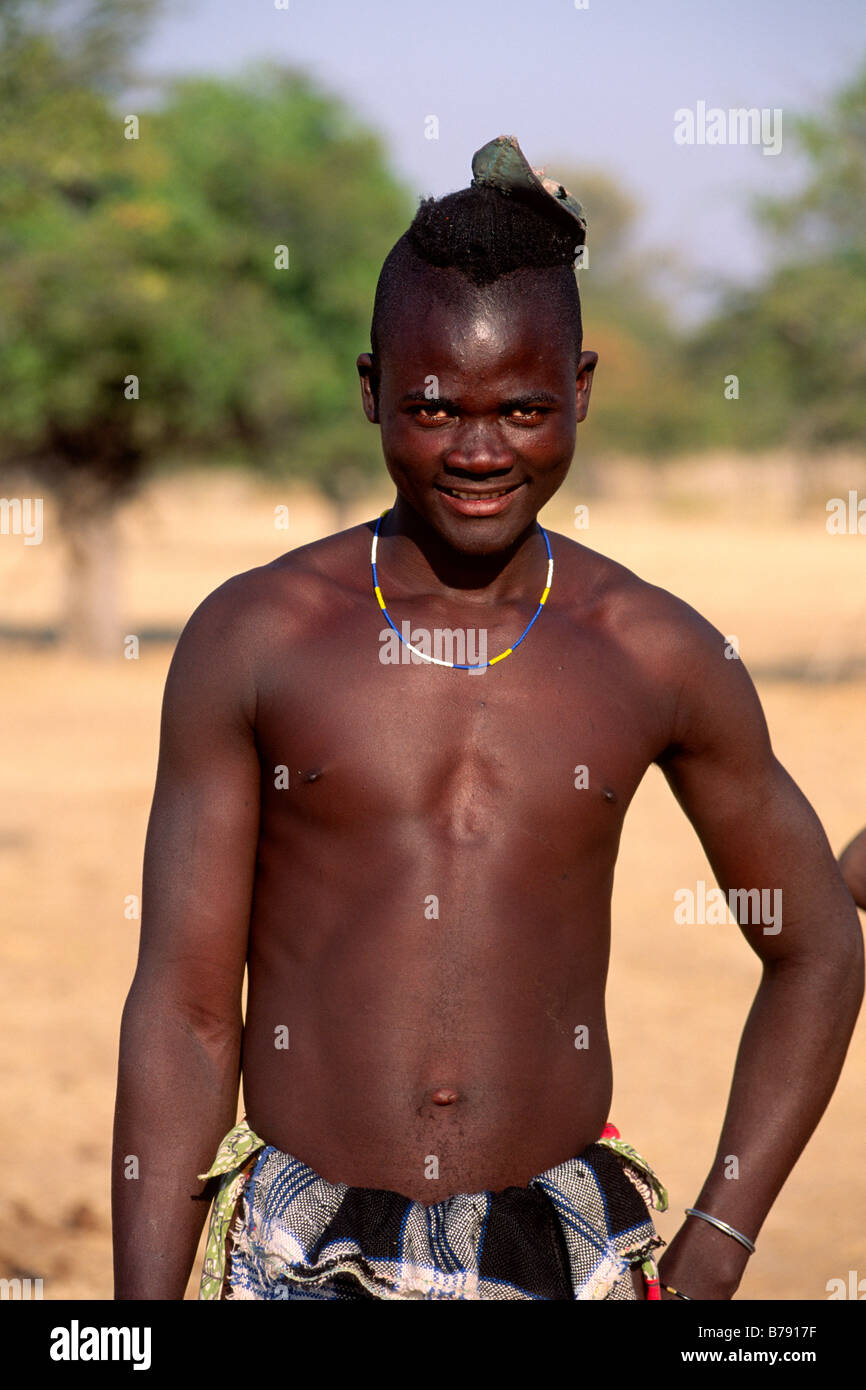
[457, 666]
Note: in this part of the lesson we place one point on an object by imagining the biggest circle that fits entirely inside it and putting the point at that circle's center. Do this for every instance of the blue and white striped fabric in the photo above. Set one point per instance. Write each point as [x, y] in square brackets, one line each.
[574, 1232]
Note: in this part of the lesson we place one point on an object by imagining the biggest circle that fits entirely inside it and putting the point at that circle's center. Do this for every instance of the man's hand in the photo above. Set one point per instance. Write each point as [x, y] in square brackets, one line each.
[700, 1265]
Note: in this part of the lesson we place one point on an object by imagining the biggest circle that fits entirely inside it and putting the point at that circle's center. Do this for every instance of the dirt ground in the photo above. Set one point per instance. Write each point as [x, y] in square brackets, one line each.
[79, 744]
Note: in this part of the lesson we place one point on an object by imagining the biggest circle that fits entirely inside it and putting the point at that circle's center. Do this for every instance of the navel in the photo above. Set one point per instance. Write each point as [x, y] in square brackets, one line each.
[443, 1095]
[312, 776]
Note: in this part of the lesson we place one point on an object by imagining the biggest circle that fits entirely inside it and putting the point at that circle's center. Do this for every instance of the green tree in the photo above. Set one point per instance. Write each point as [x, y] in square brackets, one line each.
[640, 402]
[797, 342]
[149, 310]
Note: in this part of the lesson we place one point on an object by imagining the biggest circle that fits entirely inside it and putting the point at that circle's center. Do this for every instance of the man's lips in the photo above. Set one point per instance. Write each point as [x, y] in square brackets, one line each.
[477, 501]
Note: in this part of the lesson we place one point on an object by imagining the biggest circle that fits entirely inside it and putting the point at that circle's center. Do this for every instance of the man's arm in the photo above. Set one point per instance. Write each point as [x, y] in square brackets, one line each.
[852, 863]
[759, 831]
[182, 1026]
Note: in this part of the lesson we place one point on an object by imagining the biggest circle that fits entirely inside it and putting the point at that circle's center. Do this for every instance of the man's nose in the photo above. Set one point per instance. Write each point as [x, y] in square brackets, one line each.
[480, 448]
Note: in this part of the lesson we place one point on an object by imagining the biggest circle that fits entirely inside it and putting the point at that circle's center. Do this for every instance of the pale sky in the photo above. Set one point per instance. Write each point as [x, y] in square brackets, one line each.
[596, 86]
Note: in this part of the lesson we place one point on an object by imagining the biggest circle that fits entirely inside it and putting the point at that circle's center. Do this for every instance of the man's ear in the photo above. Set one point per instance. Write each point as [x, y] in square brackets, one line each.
[369, 375]
[583, 382]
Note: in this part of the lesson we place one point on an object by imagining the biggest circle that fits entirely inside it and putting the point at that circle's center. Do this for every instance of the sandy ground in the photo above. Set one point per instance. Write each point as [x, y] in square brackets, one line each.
[79, 743]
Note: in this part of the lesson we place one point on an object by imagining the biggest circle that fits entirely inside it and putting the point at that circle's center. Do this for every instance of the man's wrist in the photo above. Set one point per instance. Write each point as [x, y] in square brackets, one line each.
[702, 1262]
[724, 1226]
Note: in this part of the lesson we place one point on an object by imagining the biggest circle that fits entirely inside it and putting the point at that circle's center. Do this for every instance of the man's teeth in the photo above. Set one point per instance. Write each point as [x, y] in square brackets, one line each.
[474, 496]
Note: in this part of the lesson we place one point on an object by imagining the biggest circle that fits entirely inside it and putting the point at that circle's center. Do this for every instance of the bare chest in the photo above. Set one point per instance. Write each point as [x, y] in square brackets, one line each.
[557, 736]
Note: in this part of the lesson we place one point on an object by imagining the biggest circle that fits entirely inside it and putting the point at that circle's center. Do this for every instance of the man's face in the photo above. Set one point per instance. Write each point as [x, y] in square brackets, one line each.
[482, 397]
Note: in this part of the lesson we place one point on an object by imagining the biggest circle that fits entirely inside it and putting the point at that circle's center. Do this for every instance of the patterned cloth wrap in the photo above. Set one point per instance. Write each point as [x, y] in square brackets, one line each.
[278, 1230]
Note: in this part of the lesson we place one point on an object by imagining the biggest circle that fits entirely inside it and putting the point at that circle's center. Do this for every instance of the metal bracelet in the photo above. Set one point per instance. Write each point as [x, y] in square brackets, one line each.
[722, 1226]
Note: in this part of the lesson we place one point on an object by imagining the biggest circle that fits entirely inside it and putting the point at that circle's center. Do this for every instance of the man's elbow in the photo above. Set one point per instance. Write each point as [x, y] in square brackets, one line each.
[831, 953]
[845, 955]
[179, 1016]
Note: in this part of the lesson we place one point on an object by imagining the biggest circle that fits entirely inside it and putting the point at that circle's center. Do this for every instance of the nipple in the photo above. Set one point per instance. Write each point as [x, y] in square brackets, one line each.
[444, 1096]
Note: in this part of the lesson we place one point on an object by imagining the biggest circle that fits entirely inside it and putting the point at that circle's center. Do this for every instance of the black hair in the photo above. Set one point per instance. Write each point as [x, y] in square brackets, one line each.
[483, 235]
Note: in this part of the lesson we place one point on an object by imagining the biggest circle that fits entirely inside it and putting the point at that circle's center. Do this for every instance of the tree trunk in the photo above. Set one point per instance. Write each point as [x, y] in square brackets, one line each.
[346, 486]
[92, 622]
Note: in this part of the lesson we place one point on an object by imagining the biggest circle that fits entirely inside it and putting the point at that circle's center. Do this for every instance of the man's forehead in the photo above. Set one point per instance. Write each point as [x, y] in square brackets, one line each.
[481, 323]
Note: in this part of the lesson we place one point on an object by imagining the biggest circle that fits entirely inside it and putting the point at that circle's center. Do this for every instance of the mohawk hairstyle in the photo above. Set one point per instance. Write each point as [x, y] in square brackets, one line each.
[482, 234]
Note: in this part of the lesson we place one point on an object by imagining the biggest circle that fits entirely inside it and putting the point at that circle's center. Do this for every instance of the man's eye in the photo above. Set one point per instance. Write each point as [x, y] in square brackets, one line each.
[437, 414]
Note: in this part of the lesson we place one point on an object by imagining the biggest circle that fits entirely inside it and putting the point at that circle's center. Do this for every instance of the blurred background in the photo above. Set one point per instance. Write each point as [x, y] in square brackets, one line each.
[195, 202]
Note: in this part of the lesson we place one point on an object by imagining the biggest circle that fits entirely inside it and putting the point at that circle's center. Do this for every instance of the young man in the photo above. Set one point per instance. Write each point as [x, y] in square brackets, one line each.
[852, 862]
[415, 862]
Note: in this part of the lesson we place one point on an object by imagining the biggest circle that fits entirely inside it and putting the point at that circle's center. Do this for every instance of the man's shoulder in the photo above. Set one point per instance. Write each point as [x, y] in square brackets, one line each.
[289, 588]
[653, 622]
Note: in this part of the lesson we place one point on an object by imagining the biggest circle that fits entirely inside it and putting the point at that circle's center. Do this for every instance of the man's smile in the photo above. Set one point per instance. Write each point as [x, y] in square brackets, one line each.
[478, 501]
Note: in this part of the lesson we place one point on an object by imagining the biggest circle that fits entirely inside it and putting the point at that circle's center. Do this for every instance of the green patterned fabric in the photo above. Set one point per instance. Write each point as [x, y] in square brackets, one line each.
[654, 1193]
[233, 1163]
